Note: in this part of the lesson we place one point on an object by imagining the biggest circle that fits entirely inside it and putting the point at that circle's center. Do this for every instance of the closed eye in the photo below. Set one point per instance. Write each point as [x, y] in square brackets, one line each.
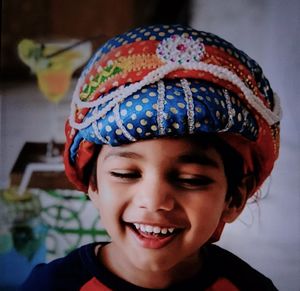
[194, 182]
[125, 174]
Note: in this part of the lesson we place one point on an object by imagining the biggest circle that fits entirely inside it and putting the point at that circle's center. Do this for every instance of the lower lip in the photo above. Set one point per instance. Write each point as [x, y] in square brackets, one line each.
[151, 242]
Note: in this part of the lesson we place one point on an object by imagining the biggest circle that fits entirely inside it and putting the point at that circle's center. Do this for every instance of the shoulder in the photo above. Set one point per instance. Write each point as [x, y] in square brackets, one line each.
[67, 273]
[240, 273]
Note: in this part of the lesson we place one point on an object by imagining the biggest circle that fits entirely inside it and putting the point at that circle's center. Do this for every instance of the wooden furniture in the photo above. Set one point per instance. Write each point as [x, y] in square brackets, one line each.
[32, 153]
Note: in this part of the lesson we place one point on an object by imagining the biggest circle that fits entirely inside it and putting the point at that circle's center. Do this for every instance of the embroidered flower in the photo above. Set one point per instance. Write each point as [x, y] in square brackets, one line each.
[180, 49]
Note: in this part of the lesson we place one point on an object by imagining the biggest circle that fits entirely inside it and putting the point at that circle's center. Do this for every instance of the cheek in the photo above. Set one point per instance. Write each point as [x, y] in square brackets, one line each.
[110, 204]
[106, 199]
[205, 211]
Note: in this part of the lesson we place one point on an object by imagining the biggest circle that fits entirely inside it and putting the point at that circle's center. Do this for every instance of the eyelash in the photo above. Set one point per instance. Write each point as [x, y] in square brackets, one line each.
[194, 183]
[190, 183]
[126, 175]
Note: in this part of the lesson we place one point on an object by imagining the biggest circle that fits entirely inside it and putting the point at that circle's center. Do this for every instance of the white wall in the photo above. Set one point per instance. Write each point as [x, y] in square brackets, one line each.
[267, 235]
[26, 116]
[268, 31]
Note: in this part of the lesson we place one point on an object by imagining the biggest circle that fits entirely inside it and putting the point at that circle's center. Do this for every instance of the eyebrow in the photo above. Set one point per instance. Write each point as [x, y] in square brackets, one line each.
[128, 155]
[196, 158]
[188, 158]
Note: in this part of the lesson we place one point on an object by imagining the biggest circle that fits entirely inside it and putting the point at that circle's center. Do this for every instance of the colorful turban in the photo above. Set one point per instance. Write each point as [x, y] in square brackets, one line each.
[171, 80]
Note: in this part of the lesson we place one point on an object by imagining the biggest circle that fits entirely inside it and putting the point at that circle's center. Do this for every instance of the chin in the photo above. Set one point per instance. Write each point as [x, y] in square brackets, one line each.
[151, 262]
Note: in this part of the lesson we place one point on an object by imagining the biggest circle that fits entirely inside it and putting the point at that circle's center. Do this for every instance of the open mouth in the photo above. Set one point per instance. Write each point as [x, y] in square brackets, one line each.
[153, 236]
[156, 231]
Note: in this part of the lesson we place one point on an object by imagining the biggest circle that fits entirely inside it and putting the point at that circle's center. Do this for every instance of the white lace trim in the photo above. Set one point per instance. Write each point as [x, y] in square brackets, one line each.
[97, 133]
[230, 112]
[189, 104]
[110, 100]
[160, 107]
[120, 124]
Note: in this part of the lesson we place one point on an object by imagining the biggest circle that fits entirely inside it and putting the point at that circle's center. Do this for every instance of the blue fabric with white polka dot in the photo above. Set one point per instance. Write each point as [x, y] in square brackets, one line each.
[139, 115]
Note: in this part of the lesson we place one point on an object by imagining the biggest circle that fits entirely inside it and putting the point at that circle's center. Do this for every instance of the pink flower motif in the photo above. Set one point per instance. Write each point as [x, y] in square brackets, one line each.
[180, 49]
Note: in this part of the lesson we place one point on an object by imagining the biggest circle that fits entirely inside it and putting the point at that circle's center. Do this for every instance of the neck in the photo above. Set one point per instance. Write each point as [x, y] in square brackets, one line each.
[151, 278]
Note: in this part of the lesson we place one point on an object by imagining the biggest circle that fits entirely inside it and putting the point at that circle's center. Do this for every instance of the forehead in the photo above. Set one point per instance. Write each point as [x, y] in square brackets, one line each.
[181, 150]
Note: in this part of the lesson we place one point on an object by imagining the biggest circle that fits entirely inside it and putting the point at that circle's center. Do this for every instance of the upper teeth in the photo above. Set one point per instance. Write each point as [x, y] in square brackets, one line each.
[155, 229]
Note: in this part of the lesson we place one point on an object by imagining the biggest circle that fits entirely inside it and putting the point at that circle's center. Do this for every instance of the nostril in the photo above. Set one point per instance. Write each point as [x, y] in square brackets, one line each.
[155, 194]
[155, 203]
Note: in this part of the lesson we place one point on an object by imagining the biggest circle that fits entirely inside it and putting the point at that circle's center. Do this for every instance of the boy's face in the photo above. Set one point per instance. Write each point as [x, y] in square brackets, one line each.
[160, 200]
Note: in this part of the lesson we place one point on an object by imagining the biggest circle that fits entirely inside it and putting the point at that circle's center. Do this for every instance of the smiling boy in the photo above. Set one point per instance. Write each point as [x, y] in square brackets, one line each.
[171, 131]
[159, 206]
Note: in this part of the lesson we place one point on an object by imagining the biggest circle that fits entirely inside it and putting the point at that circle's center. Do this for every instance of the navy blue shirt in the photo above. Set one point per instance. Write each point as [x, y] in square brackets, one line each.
[82, 270]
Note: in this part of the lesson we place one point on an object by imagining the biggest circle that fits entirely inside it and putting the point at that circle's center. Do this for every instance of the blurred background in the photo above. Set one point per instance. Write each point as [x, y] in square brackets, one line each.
[267, 235]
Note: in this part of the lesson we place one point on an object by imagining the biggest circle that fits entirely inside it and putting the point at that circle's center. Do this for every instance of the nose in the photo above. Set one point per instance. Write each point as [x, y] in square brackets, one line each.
[155, 194]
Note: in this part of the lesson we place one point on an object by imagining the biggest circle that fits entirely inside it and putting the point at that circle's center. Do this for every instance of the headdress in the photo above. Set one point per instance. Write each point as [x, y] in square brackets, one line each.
[171, 80]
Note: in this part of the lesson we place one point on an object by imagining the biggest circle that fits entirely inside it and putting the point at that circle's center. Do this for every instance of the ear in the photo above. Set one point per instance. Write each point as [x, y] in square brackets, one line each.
[233, 208]
[93, 195]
